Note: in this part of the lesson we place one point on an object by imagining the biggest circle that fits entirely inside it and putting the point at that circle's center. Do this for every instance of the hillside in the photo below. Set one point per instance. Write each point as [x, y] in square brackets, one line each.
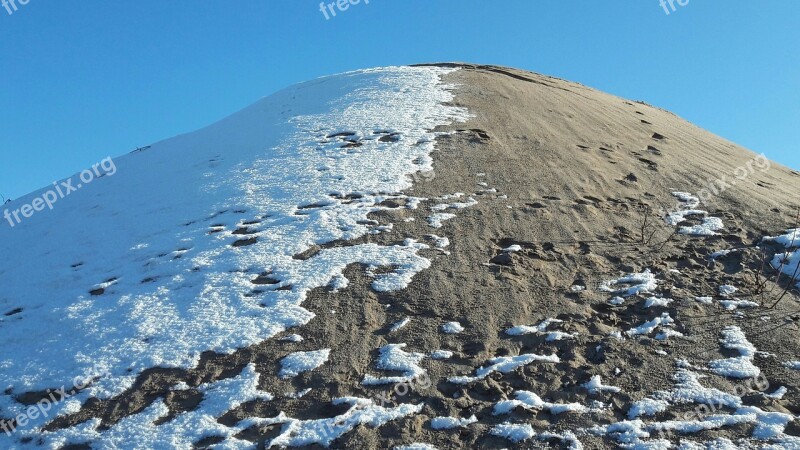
[450, 255]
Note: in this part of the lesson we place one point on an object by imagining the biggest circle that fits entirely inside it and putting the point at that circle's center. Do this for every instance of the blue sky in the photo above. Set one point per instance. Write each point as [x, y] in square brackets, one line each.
[85, 80]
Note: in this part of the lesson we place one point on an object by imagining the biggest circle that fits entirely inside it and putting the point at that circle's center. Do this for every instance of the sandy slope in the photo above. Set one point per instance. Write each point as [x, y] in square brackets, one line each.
[568, 174]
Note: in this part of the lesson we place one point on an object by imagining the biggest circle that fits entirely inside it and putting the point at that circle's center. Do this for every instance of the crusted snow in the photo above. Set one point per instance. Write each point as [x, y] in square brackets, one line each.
[541, 328]
[437, 220]
[393, 358]
[293, 338]
[529, 400]
[299, 433]
[400, 324]
[504, 364]
[299, 362]
[441, 354]
[647, 407]
[742, 366]
[452, 328]
[657, 301]
[416, 446]
[665, 320]
[631, 284]
[513, 432]
[448, 423]
[689, 203]
[181, 432]
[794, 365]
[727, 290]
[595, 386]
[778, 394]
[789, 240]
[172, 289]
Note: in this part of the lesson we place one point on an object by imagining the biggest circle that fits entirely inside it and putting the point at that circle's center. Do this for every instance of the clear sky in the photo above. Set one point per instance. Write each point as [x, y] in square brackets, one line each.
[82, 80]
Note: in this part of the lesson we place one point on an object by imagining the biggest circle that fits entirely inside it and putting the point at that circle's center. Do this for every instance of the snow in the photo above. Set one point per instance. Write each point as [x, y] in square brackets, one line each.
[733, 338]
[513, 432]
[441, 354]
[567, 437]
[689, 200]
[181, 432]
[709, 226]
[727, 290]
[393, 358]
[299, 362]
[657, 301]
[788, 264]
[399, 325]
[452, 328]
[275, 164]
[705, 300]
[789, 240]
[437, 220]
[732, 305]
[529, 400]
[778, 394]
[448, 423]
[595, 386]
[616, 301]
[504, 364]
[688, 389]
[293, 338]
[416, 446]
[647, 407]
[458, 205]
[794, 365]
[631, 284]
[439, 242]
[665, 320]
[522, 330]
[299, 433]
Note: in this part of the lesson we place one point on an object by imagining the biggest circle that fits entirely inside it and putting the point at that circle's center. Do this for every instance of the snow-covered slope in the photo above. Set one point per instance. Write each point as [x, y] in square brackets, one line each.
[188, 247]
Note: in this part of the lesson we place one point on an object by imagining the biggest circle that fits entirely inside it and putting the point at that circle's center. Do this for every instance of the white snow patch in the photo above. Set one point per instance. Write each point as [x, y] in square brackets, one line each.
[529, 400]
[448, 423]
[631, 284]
[437, 220]
[513, 432]
[710, 225]
[293, 338]
[393, 358]
[300, 433]
[789, 240]
[657, 301]
[505, 364]
[398, 325]
[441, 354]
[452, 328]
[595, 386]
[416, 446]
[299, 362]
[733, 338]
